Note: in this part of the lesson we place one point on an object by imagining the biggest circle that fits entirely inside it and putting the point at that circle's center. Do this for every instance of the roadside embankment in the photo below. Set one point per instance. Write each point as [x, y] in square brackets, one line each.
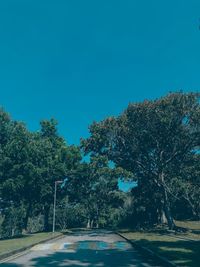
[17, 245]
[168, 249]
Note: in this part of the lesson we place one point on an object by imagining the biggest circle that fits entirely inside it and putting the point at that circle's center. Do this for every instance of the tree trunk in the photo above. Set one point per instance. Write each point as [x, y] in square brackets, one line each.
[88, 223]
[97, 219]
[28, 211]
[167, 210]
[13, 232]
[166, 205]
[163, 219]
[46, 218]
[92, 223]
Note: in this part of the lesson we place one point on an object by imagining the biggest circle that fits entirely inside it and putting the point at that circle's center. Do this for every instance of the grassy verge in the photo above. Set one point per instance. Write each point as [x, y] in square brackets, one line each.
[192, 230]
[26, 240]
[180, 252]
[192, 226]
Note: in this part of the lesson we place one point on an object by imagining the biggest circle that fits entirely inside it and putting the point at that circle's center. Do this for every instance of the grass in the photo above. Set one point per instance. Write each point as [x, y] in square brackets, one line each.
[191, 225]
[193, 228]
[180, 252]
[26, 240]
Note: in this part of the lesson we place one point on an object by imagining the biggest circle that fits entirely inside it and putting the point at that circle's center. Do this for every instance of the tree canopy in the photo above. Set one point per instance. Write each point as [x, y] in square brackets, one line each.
[155, 140]
[155, 143]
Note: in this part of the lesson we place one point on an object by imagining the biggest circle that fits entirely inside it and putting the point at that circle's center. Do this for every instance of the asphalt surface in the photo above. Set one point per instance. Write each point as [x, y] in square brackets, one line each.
[92, 248]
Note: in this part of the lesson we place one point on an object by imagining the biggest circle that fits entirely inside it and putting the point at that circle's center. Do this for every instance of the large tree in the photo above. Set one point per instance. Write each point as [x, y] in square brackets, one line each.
[152, 139]
[54, 164]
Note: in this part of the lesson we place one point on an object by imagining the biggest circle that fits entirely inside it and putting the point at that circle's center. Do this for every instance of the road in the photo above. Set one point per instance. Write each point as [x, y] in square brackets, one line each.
[86, 249]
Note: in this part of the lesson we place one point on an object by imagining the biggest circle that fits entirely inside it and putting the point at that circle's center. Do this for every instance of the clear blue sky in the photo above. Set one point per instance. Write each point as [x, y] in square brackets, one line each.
[80, 61]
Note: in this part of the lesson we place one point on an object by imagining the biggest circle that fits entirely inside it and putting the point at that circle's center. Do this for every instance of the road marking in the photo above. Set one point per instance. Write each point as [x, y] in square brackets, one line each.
[121, 245]
[66, 245]
[42, 247]
[81, 245]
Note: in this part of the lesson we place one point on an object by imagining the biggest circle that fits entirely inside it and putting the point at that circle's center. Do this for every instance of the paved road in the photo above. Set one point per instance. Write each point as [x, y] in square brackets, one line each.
[86, 249]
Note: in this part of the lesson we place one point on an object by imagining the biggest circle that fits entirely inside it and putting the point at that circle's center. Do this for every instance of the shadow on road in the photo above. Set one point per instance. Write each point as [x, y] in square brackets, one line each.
[84, 257]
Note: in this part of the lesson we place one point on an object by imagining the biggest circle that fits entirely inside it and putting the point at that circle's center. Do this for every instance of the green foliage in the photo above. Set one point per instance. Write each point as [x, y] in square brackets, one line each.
[30, 163]
[95, 186]
[12, 224]
[155, 143]
[70, 214]
[153, 140]
[186, 190]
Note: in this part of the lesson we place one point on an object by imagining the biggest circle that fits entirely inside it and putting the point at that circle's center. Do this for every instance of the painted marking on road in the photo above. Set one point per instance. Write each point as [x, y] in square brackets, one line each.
[42, 247]
[66, 245]
[56, 246]
[102, 245]
[121, 245]
[81, 245]
[93, 245]
[72, 246]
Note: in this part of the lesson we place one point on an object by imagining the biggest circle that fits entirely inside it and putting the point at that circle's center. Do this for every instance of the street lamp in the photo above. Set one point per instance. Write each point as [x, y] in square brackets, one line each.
[54, 205]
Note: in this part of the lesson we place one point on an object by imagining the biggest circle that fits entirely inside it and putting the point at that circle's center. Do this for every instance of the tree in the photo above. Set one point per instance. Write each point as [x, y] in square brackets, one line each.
[70, 214]
[94, 186]
[53, 165]
[152, 140]
[14, 165]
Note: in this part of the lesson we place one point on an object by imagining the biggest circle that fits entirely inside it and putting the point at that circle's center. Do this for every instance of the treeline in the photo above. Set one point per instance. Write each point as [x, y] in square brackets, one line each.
[155, 143]
[31, 162]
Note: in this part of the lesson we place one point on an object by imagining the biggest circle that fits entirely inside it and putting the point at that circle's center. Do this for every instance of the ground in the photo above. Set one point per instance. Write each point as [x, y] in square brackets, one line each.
[91, 249]
[182, 248]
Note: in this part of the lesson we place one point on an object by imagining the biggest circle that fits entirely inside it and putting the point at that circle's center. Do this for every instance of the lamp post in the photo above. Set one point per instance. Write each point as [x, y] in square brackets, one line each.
[54, 205]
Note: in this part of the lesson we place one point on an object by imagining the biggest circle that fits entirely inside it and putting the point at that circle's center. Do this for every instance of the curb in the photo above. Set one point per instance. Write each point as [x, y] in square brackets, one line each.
[23, 249]
[148, 252]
